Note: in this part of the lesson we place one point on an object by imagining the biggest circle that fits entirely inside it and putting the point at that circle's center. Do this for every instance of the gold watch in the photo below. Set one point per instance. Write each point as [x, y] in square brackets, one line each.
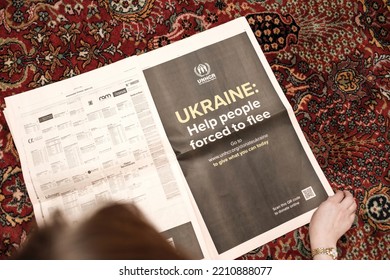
[325, 251]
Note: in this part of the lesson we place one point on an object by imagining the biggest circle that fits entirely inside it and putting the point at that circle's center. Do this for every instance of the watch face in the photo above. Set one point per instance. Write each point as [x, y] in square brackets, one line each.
[333, 253]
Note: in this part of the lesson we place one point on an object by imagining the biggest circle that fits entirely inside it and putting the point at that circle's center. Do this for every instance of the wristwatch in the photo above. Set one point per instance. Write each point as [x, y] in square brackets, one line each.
[325, 251]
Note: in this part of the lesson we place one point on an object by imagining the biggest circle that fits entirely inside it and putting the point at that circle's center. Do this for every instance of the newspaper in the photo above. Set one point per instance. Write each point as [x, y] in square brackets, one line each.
[197, 134]
[92, 139]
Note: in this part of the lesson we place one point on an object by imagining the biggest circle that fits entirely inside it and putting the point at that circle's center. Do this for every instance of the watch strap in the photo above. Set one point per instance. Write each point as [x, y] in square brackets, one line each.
[332, 252]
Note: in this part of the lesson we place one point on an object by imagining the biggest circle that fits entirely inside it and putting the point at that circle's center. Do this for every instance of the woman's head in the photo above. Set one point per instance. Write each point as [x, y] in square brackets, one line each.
[116, 231]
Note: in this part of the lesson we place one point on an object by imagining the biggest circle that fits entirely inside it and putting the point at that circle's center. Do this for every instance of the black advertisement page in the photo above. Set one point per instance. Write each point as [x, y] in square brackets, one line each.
[234, 141]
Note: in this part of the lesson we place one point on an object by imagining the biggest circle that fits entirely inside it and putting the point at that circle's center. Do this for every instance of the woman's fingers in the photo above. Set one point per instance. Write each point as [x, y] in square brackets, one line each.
[348, 200]
[337, 197]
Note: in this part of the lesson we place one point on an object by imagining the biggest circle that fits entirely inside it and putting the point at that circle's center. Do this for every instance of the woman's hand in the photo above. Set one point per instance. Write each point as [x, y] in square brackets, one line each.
[331, 220]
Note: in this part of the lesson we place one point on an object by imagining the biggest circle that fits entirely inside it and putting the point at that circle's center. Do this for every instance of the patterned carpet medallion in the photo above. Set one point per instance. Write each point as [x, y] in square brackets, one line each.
[331, 57]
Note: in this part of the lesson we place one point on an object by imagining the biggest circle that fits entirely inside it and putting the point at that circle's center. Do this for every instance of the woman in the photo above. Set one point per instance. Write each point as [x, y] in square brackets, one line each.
[121, 232]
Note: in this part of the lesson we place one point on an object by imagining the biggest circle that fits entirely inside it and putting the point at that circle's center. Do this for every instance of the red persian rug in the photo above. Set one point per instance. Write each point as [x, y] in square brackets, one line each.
[331, 57]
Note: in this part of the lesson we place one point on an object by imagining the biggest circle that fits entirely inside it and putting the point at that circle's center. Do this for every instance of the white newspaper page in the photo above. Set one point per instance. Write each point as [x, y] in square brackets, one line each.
[93, 139]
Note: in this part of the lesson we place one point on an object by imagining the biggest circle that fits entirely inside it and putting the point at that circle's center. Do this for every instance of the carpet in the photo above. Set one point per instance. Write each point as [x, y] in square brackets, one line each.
[331, 58]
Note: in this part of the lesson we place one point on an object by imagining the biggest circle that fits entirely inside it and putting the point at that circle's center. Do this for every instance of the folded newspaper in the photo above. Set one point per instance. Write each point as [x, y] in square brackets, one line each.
[198, 134]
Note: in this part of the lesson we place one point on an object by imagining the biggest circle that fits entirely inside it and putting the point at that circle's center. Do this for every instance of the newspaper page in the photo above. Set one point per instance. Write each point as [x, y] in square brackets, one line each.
[92, 139]
[250, 172]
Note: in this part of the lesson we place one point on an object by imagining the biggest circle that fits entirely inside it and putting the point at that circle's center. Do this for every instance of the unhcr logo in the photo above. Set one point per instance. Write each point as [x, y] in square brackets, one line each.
[203, 72]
